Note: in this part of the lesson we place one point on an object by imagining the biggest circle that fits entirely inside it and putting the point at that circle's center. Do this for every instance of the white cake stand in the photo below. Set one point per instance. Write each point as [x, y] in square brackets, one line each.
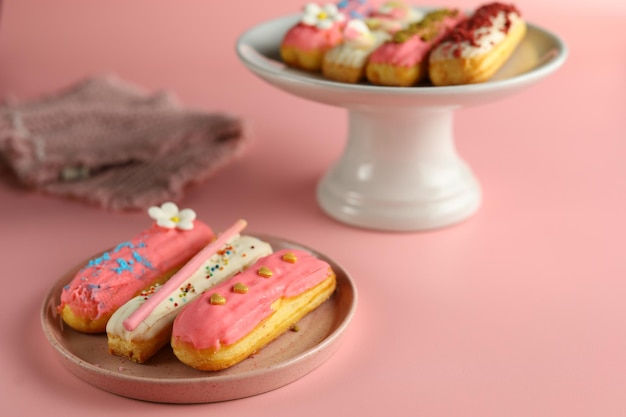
[400, 170]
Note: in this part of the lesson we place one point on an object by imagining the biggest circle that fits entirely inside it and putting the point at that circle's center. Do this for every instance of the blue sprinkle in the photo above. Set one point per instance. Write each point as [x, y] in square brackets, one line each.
[123, 245]
[99, 260]
[123, 266]
[141, 259]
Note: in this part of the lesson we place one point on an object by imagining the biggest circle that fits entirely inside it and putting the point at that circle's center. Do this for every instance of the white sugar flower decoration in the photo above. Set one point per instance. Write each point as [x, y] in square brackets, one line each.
[322, 17]
[169, 216]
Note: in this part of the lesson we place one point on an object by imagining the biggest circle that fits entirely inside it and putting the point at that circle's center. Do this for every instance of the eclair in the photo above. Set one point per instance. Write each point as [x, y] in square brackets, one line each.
[139, 338]
[240, 316]
[318, 30]
[403, 60]
[346, 61]
[478, 47]
[111, 279]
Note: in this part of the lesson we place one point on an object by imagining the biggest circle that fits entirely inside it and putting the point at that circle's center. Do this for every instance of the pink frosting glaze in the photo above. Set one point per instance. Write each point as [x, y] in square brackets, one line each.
[205, 325]
[309, 38]
[412, 51]
[111, 279]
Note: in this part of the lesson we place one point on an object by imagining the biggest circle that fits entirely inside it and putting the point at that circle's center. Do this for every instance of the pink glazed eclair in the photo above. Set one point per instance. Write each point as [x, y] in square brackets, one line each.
[240, 316]
[117, 275]
[318, 30]
[403, 61]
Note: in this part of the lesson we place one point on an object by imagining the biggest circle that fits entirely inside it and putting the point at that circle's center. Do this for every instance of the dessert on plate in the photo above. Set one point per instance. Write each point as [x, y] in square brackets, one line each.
[403, 60]
[476, 48]
[318, 30]
[346, 61]
[243, 314]
[396, 44]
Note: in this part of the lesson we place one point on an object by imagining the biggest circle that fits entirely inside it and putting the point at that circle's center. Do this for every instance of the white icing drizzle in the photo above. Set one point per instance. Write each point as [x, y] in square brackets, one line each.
[234, 257]
[355, 56]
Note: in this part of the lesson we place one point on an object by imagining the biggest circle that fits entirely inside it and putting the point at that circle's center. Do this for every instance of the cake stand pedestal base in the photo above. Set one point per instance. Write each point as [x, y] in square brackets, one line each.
[400, 172]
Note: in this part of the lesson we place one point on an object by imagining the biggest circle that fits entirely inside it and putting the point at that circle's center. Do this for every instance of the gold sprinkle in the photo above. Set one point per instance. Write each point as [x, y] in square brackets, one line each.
[264, 272]
[240, 288]
[290, 257]
[295, 328]
[217, 299]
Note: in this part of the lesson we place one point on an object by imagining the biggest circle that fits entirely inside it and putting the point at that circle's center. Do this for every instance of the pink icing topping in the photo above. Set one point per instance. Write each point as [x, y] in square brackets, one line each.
[179, 278]
[412, 51]
[308, 38]
[111, 279]
[205, 325]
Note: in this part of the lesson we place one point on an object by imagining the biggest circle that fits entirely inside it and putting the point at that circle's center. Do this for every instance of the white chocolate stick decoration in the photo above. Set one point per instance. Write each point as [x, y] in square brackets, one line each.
[179, 277]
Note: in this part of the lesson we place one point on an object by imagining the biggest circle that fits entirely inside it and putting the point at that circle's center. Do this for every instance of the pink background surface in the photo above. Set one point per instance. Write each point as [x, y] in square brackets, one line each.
[518, 311]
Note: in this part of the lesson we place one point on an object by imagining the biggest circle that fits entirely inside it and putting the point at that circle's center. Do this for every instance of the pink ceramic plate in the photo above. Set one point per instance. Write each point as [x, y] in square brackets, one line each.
[165, 379]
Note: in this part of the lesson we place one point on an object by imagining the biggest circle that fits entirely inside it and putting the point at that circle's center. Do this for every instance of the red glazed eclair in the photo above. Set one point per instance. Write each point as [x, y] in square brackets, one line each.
[478, 47]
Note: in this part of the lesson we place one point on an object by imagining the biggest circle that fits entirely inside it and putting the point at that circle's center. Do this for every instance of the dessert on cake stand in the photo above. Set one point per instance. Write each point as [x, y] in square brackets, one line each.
[400, 170]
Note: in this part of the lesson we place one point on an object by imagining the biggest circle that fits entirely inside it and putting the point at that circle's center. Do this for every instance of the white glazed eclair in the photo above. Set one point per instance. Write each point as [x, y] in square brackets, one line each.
[346, 62]
[140, 338]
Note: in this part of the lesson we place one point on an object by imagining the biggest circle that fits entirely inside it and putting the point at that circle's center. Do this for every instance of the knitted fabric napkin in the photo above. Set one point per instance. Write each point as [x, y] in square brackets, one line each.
[107, 142]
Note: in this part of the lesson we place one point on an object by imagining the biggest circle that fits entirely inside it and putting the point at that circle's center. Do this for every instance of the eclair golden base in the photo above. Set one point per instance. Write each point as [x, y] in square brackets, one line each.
[342, 73]
[479, 68]
[88, 325]
[139, 350]
[305, 60]
[287, 312]
[394, 76]
[84, 324]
